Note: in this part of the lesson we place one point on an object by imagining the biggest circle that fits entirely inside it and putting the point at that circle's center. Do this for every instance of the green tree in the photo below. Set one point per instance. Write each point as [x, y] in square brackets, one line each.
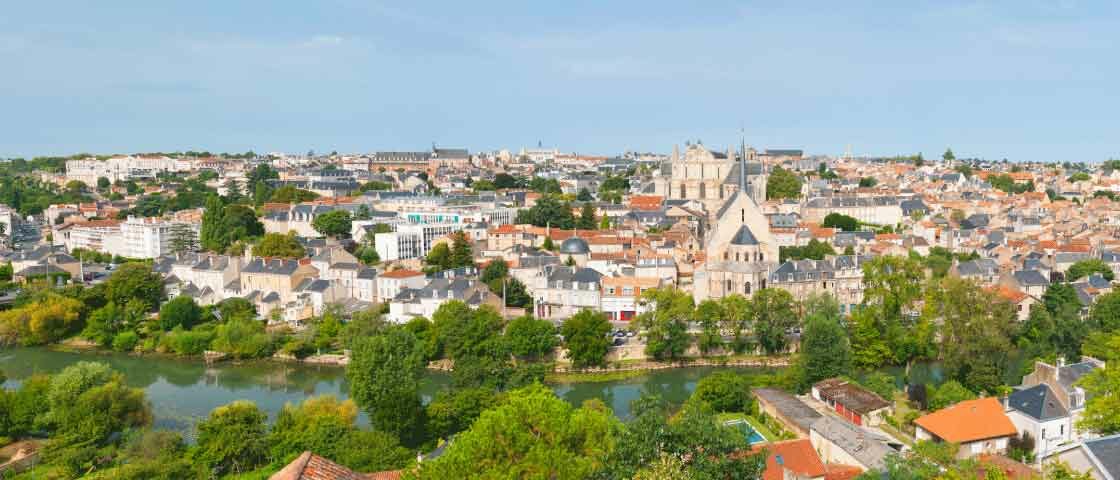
[725, 391]
[42, 321]
[454, 410]
[103, 324]
[737, 319]
[949, 393]
[496, 269]
[665, 327]
[290, 194]
[232, 440]
[325, 425]
[867, 182]
[825, 351]
[181, 311]
[242, 338]
[948, 155]
[102, 183]
[774, 316]
[549, 210]
[335, 223]
[693, 435]
[530, 434]
[841, 221]
[869, 345]
[709, 314]
[384, 374]
[530, 337]
[1084, 268]
[240, 223]
[461, 252]
[586, 219]
[183, 239]
[782, 183]
[279, 245]
[439, 257]
[1106, 312]
[585, 337]
[975, 338]
[212, 234]
[135, 280]
[584, 195]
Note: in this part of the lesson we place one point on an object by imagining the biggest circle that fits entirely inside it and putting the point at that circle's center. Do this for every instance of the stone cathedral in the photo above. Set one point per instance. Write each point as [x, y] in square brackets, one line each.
[739, 250]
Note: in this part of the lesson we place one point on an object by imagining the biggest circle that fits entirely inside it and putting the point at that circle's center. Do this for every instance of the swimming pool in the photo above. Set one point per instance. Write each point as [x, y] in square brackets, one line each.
[753, 437]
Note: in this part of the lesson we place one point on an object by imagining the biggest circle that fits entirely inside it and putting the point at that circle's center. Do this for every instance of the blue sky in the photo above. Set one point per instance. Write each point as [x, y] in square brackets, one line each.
[1025, 80]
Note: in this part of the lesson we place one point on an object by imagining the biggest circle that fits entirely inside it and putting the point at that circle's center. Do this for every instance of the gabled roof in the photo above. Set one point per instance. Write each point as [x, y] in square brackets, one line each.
[866, 448]
[309, 466]
[1037, 402]
[1106, 451]
[968, 421]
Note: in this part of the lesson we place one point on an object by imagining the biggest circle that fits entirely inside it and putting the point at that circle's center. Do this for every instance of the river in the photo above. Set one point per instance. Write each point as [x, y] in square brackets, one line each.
[182, 391]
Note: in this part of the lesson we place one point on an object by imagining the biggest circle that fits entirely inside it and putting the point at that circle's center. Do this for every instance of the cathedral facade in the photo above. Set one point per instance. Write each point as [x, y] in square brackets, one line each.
[739, 250]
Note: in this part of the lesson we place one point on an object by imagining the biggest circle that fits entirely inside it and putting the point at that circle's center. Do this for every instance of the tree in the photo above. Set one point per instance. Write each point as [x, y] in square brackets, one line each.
[586, 217]
[549, 210]
[461, 252]
[867, 182]
[290, 194]
[725, 391]
[782, 183]
[1087, 267]
[233, 190]
[181, 311]
[585, 337]
[239, 223]
[335, 223]
[869, 345]
[135, 280]
[530, 434]
[42, 321]
[325, 425]
[1102, 391]
[773, 318]
[584, 195]
[1106, 312]
[708, 449]
[665, 327]
[975, 338]
[496, 269]
[825, 352]
[530, 337]
[279, 245]
[212, 232]
[232, 440]
[948, 155]
[384, 374]
[881, 384]
[102, 183]
[1079, 177]
[547, 244]
[949, 393]
[452, 411]
[709, 314]
[841, 221]
[183, 239]
[737, 319]
[439, 257]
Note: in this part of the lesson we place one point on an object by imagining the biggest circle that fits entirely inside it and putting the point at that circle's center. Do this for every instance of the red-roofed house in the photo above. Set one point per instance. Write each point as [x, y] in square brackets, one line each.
[794, 456]
[979, 426]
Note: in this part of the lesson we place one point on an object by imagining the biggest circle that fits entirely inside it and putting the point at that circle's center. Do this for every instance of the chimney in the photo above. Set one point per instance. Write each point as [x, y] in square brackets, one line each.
[1061, 361]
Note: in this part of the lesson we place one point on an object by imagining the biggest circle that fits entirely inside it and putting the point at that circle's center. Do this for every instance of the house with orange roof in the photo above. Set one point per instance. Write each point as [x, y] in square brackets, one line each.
[646, 202]
[791, 459]
[979, 426]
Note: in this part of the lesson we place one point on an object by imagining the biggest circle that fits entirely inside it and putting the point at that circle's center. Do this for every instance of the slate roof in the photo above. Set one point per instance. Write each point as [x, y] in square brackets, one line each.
[744, 237]
[275, 266]
[1107, 453]
[566, 277]
[1037, 402]
[1031, 278]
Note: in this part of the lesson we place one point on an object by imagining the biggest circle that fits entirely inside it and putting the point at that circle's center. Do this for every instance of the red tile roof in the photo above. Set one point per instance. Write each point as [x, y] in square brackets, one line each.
[969, 421]
[797, 455]
[402, 273]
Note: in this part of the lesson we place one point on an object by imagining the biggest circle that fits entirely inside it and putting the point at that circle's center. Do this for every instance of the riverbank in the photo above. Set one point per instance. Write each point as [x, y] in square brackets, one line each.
[561, 372]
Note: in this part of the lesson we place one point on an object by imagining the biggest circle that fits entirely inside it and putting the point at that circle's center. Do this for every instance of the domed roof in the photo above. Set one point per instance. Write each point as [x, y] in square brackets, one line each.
[575, 246]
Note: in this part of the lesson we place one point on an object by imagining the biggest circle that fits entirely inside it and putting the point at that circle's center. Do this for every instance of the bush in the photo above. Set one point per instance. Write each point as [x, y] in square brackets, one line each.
[185, 342]
[242, 339]
[725, 391]
[125, 341]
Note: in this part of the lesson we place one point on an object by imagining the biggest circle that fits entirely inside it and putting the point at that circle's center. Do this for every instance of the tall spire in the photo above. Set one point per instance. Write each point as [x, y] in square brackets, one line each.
[742, 162]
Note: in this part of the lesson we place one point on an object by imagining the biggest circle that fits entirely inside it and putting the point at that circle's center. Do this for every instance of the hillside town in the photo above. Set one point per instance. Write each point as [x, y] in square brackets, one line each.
[1001, 272]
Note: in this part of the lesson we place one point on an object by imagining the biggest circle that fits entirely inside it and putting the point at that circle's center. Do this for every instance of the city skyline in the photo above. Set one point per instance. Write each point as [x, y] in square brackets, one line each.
[1023, 81]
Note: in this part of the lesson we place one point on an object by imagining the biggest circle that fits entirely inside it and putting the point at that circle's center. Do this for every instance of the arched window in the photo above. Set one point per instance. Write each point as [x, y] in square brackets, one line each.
[747, 288]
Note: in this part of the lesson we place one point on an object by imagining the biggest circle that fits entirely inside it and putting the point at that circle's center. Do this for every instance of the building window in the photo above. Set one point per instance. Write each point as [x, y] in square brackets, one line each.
[747, 288]
[682, 190]
[728, 289]
[703, 190]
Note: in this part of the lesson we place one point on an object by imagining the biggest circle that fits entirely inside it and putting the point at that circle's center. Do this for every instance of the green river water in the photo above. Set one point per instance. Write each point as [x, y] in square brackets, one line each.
[182, 391]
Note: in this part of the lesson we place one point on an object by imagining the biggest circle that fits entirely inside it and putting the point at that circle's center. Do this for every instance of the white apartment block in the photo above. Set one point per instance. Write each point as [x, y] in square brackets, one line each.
[148, 237]
[122, 168]
[412, 240]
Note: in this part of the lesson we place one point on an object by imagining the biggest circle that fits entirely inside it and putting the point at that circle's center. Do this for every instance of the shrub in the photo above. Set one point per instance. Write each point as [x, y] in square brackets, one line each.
[125, 341]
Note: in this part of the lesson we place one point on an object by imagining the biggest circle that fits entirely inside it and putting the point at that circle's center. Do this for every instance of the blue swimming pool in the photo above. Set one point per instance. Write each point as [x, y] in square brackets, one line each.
[752, 435]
